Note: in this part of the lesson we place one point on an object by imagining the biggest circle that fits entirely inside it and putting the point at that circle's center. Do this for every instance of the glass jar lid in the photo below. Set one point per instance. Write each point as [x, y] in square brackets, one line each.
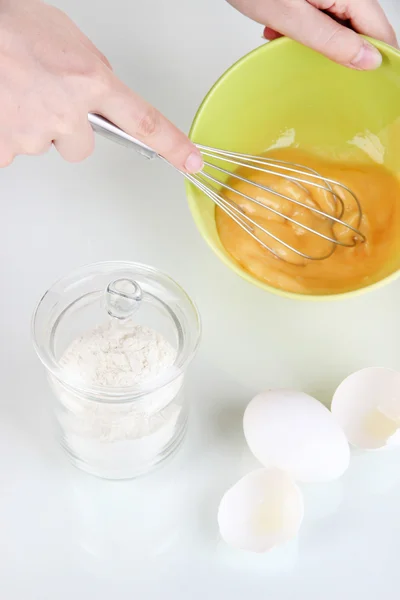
[121, 292]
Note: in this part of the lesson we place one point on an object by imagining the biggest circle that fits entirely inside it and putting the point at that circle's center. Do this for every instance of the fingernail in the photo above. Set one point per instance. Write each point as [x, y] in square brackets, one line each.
[194, 162]
[368, 58]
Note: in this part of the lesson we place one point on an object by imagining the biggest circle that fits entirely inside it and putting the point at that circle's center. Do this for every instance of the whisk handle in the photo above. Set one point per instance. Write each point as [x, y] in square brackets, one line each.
[115, 134]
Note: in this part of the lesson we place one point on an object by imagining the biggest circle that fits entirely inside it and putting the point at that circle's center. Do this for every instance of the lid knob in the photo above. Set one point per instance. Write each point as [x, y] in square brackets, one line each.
[123, 298]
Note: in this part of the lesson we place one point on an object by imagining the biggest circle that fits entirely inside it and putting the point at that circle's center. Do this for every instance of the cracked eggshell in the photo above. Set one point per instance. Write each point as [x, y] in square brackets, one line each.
[367, 407]
[292, 431]
[262, 510]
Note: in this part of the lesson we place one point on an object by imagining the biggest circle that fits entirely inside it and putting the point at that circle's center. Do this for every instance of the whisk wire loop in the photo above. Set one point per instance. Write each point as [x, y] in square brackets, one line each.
[304, 177]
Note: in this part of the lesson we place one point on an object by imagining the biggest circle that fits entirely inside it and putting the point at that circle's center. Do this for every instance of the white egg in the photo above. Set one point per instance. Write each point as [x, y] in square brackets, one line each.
[294, 432]
[262, 510]
[367, 407]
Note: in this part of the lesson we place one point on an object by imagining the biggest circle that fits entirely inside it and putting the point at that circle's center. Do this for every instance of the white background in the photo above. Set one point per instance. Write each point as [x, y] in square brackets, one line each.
[66, 535]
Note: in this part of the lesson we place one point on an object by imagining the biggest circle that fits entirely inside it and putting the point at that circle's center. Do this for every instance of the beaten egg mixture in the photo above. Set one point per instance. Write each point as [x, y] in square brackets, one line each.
[373, 255]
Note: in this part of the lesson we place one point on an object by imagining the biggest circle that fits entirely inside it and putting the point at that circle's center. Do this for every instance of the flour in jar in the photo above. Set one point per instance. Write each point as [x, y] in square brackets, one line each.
[118, 355]
[106, 433]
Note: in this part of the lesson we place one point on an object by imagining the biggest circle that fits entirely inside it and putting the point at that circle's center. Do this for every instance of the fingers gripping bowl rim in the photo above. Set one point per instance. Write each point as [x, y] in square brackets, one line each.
[252, 104]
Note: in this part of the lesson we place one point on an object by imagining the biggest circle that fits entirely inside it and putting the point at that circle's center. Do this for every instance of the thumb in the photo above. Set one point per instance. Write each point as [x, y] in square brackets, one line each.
[142, 121]
[315, 29]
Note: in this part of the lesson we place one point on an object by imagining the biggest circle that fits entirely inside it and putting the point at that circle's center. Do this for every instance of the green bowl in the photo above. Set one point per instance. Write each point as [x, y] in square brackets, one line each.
[283, 86]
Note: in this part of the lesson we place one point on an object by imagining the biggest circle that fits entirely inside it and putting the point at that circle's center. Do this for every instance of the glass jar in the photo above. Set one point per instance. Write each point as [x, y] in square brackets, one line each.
[117, 432]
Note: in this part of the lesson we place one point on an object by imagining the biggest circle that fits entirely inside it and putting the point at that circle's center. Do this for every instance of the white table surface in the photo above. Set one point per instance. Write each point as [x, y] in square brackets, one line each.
[66, 535]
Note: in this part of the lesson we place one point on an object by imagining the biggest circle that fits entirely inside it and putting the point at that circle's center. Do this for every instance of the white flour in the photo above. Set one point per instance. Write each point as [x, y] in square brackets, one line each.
[114, 438]
[118, 355]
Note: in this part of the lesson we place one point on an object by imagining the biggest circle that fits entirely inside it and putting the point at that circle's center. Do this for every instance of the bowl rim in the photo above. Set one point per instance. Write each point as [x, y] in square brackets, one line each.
[193, 206]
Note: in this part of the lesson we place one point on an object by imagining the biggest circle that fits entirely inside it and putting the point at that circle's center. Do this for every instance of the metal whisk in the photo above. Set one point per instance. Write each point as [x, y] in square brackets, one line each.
[216, 179]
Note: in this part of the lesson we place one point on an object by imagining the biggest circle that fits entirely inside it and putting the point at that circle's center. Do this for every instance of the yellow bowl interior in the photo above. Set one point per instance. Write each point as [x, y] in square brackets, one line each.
[285, 87]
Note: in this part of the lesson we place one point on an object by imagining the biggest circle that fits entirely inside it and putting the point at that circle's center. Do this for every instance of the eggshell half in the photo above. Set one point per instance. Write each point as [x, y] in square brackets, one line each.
[367, 407]
[262, 510]
[292, 431]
